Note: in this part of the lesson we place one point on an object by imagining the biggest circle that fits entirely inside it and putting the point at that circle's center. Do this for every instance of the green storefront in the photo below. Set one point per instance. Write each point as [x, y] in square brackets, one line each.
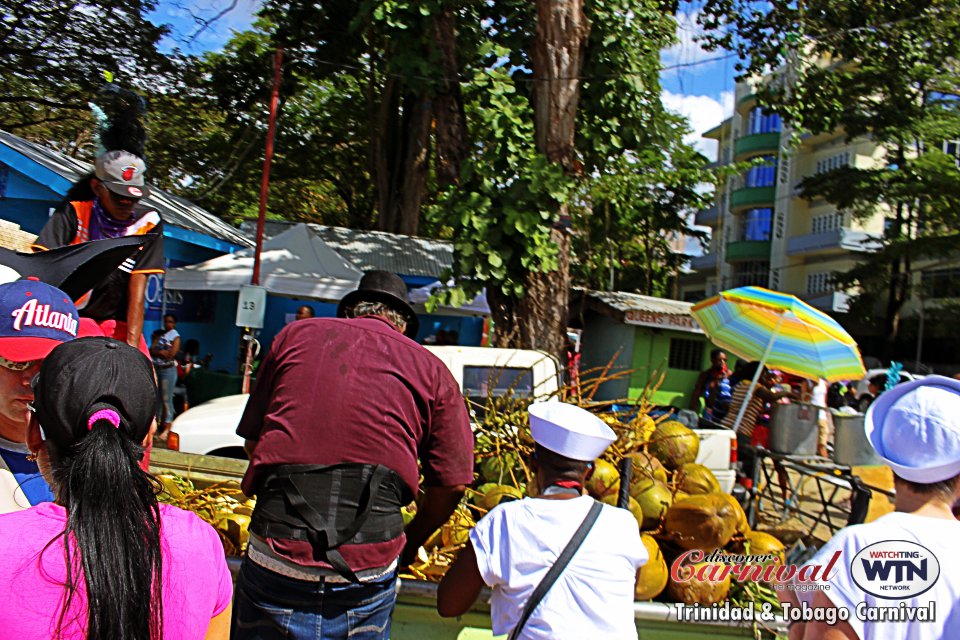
[643, 335]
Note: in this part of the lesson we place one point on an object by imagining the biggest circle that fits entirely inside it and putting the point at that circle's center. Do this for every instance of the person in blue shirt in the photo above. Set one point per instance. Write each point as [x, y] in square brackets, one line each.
[34, 318]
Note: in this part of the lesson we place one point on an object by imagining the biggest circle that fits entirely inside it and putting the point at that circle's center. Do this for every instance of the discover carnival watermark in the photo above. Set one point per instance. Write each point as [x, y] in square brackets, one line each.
[889, 570]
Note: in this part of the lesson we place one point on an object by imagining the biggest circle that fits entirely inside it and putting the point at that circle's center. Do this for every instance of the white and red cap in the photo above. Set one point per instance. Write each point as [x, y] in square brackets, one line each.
[123, 173]
[34, 319]
[569, 430]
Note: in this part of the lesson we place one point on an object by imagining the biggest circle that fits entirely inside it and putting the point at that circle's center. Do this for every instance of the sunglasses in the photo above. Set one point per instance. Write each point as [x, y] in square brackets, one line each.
[16, 366]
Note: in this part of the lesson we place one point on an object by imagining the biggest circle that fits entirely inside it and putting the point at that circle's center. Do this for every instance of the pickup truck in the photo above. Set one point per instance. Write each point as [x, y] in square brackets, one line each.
[210, 428]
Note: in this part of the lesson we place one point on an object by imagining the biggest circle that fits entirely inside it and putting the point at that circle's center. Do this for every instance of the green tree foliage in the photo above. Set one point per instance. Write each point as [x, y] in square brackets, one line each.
[883, 69]
[638, 219]
[53, 54]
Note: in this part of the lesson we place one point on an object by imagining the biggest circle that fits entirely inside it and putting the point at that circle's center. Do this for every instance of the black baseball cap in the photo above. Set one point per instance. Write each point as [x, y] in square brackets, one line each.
[84, 376]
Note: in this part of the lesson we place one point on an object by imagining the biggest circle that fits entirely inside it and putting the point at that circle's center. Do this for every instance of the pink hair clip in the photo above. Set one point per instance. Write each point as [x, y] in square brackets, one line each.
[109, 415]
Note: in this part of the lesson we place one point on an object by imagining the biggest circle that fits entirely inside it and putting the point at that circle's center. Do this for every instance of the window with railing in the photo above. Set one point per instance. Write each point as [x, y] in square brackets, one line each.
[755, 273]
[832, 162]
[686, 354]
[760, 122]
[952, 148]
[821, 282]
[755, 224]
[826, 222]
[762, 175]
[941, 283]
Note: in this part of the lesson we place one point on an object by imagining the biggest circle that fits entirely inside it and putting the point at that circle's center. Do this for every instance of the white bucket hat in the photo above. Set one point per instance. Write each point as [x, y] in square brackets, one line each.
[569, 430]
[915, 428]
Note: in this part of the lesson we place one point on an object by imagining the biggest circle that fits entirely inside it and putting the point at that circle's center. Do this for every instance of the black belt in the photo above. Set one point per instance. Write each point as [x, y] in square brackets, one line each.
[331, 505]
[164, 366]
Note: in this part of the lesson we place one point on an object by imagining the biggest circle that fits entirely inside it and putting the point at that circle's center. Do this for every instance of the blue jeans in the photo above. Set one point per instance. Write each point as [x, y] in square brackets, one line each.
[269, 606]
[167, 377]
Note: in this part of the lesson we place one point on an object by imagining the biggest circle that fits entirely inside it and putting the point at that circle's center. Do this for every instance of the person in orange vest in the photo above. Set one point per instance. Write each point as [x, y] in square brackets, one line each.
[107, 205]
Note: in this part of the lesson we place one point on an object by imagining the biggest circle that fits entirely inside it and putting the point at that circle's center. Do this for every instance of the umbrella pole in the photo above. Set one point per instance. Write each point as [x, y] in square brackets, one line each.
[756, 375]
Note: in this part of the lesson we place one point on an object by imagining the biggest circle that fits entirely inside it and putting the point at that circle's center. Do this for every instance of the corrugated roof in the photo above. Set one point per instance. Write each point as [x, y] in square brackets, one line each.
[175, 210]
[623, 302]
[406, 255]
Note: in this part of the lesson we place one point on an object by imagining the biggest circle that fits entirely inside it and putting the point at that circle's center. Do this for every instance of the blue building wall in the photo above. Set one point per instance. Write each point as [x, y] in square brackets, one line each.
[29, 193]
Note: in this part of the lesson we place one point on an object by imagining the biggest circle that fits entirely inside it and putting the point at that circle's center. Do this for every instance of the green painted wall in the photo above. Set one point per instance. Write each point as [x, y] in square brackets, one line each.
[651, 349]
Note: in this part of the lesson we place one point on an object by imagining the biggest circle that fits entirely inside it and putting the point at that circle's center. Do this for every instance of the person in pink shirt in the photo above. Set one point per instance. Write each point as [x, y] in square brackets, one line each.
[105, 559]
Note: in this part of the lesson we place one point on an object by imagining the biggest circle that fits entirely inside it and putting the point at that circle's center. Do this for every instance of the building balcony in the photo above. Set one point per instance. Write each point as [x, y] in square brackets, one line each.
[756, 143]
[706, 262]
[748, 250]
[707, 217]
[830, 241]
[831, 301]
[753, 197]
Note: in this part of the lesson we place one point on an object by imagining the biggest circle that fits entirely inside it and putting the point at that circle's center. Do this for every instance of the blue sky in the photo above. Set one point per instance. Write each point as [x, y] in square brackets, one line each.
[695, 84]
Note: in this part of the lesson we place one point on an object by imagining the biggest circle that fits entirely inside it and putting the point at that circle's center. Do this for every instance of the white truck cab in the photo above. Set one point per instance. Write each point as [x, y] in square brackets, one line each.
[210, 428]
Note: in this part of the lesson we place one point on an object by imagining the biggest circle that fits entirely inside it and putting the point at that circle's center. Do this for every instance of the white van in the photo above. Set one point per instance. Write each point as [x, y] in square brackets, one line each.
[210, 428]
[481, 372]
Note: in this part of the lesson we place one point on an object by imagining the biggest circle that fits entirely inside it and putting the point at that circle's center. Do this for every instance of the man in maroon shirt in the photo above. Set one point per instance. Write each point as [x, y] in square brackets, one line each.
[340, 414]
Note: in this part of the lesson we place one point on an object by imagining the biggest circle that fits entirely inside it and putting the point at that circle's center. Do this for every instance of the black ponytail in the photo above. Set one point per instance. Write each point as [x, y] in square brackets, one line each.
[114, 518]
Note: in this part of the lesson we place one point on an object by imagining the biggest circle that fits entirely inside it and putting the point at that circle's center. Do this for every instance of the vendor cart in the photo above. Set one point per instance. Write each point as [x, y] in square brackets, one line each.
[415, 616]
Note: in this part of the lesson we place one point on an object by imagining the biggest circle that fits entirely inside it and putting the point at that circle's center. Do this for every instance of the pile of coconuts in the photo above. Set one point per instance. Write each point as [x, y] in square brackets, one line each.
[679, 506]
[677, 503]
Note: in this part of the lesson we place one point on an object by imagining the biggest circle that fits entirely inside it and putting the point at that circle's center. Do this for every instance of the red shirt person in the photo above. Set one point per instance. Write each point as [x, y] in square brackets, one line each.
[342, 410]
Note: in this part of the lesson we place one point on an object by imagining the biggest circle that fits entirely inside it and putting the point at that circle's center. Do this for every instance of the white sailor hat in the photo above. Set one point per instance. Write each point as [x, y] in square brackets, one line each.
[915, 428]
[569, 430]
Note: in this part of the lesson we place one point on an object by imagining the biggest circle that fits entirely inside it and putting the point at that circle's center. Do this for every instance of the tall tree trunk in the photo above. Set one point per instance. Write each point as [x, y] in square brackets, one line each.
[899, 286]
[448, 111]
[401, 157]
[559, 50]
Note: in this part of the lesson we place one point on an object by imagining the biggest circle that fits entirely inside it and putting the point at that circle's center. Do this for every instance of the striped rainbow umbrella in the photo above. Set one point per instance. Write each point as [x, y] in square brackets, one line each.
[782, 332]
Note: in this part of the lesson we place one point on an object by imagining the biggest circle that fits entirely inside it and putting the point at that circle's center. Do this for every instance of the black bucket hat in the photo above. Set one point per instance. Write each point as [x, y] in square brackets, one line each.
[385, 287]
[86, 375]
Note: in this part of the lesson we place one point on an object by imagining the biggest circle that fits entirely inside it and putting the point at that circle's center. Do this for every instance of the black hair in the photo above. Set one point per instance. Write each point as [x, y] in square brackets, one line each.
[116, 532]
[554, 466]
[191, 347]
[81, 190]
[170, 315]
[93, 400]
[746, 372]
[945, 489]
[714, 353]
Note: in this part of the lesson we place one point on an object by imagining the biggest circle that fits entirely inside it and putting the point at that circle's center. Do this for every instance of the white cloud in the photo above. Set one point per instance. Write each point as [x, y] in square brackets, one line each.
[687, 50]
[703, 112]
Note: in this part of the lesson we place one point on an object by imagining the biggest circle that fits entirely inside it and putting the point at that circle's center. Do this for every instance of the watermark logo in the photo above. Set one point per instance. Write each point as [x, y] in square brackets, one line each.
[895, 569]
[718, 565]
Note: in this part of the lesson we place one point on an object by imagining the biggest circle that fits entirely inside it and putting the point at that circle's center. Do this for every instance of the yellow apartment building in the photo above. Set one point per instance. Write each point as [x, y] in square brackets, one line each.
[762, 232]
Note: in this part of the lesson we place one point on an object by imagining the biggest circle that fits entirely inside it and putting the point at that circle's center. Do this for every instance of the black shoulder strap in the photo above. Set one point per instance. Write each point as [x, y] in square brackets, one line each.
[562, 561]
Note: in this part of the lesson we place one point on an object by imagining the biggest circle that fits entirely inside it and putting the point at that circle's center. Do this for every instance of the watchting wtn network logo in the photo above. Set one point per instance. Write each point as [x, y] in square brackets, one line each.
[895, 569]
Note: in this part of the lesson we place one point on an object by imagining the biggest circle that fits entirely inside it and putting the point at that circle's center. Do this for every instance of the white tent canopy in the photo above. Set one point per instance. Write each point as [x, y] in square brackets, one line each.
[476, 307]
[295, 263]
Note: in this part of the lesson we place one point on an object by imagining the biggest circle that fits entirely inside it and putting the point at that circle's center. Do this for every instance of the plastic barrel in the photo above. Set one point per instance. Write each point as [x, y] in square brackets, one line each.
[850, 444]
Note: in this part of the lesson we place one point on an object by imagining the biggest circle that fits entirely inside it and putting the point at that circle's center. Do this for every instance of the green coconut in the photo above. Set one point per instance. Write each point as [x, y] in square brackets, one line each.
[652, 577]
[604, 480]
[704, 522]
[645, 465]
[654, 498]
[498, 494]
[695, 479]
[674, 444]
[697, 591]
[633, 506]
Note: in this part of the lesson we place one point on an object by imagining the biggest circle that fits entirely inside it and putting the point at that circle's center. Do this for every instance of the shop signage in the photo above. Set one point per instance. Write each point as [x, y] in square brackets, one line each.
[662, 320]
